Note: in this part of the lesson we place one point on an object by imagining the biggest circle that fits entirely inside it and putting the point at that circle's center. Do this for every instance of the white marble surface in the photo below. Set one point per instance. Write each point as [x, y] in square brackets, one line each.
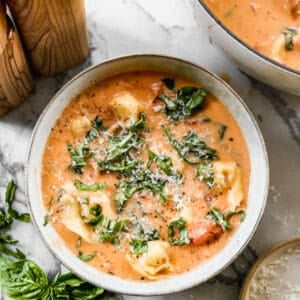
[122, 27]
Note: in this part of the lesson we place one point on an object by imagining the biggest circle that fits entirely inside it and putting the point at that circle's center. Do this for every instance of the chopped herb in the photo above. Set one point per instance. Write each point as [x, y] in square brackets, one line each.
[86, 257]
[222, 130]
[46, 220]
[138, 246]
[78, 157]
[95, 210]
[289, 34]
[188, 99]
[93, 133]
[180, 226]
[97, 218]
[192, 149]
[217, 216]
[205, 173]
[111, 229]
[169, 82]
[93, 187]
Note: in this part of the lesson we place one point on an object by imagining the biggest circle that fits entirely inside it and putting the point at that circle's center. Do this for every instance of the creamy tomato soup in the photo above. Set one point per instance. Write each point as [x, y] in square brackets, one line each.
[270, 27]
[145, 176]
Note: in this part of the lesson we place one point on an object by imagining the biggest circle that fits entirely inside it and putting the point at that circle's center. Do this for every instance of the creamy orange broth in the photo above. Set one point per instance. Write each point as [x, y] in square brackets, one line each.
[196, 194]
[261, 24]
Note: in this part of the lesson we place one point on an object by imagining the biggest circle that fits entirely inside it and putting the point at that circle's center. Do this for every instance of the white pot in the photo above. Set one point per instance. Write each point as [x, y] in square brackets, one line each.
[249, 60]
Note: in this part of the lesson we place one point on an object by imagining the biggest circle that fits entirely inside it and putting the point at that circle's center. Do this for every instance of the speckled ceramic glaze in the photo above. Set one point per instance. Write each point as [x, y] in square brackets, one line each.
[249, 60]
[259, 177]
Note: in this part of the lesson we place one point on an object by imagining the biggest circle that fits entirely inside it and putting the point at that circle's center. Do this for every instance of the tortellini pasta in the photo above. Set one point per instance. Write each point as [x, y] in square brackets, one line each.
[152, 263]
[74, 211]
[71, 218]
[80, 125]
[227, 177]
[126, 108]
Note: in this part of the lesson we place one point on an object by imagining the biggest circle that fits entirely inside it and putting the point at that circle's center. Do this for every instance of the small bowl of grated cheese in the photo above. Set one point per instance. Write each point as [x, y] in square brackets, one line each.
[276, 274]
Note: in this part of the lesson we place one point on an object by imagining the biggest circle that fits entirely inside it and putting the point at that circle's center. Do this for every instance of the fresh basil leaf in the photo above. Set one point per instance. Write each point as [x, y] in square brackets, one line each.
[289, 34]
[5, 220]
[205, 173]
[9, 198]
[192, 149]
[93, 187]
[78, 157]
[86, 257]
[22, 279]
[180, 226]
[138, 246]
[169, 82]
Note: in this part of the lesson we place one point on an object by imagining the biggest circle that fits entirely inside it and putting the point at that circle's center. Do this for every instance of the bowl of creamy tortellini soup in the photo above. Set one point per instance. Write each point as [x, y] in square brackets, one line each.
[146, 175]
[263, 37]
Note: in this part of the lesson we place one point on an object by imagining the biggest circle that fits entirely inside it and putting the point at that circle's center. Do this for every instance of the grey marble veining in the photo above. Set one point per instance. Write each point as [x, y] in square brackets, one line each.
[169, 27]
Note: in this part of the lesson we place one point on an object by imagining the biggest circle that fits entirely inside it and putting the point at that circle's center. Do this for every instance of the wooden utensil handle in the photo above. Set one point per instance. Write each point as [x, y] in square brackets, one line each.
[54, 32]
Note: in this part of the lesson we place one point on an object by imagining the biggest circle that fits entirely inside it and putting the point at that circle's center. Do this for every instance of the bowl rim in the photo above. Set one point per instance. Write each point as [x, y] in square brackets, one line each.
[251, 274]
[264, 57]
[173, 288]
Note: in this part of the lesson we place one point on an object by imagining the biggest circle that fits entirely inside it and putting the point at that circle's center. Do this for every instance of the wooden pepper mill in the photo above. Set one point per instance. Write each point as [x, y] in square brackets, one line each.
[15, 77]
[53, 32]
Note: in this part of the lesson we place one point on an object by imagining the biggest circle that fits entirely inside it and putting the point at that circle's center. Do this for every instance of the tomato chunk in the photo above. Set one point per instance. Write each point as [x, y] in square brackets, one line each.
[204, 231]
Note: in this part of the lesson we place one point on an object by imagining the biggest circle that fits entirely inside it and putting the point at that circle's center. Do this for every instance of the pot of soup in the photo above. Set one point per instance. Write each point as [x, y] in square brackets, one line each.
[262, 37]
[146, 175]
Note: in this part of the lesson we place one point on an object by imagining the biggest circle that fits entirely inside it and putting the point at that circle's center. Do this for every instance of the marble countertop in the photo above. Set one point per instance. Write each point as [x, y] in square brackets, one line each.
[168, 27]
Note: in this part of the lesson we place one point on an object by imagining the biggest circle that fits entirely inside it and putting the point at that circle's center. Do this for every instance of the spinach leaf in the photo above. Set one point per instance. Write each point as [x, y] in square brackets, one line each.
[9, 198]
[93, 133]
[138, 246]
[205, 173]
[126, 190]
[93, 187]
[121, 144]
[164, 162]
[86, 257]
[169, 82]
[180, 226]
[111, 229]
[141, 180]
[78, 157]
[188, 99]
[217, 216]
[289, 34]
[241, 212]
[192, 149]
[123, 166]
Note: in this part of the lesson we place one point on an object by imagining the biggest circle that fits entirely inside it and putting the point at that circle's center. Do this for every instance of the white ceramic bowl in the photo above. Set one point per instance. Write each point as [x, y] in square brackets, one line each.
[259, 177]
[248, 59]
